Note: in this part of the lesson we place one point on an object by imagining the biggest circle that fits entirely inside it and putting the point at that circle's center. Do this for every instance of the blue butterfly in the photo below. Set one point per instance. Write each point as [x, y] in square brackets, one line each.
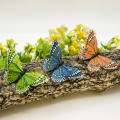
[55, 63]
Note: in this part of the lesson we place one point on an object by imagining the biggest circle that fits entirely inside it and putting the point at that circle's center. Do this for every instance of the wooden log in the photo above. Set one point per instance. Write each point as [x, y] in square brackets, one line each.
[97, 81]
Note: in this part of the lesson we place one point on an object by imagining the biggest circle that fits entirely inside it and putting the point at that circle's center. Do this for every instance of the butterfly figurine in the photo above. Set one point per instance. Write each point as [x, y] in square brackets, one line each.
[15, 73]
[55, 64]
[96, 60]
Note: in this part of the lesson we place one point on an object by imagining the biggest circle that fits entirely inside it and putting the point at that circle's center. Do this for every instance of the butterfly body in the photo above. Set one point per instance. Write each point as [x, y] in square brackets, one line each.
[96, 60]
[55, 64]
[21, 75]
[15, 73]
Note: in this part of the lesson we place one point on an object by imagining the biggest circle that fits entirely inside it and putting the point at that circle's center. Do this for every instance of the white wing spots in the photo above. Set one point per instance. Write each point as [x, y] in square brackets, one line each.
[57, 80]
[11, 59]
[5, 78]
[93, 70]
[20, 92]
[52, 46]
[75, 75]
[52, 51]
[80, 56]
[43, 78]
[90, 38]
[109, 66]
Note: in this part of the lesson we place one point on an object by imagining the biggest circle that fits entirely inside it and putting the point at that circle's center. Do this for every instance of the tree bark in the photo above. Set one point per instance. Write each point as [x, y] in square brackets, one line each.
[97, 81]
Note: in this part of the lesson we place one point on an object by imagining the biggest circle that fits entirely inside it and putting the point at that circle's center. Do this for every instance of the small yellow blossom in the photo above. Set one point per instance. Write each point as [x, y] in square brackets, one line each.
[40, 39]
[6, 46]
[29, 48]
[9, 41]
[78, 28]
[30, 56]
[53, 37]
[4, 52]
[81, 35]
[59, 29]
[62, 33]
[116, 36]
[116, 41]
[75, 43]
[72, 50]
[15, 43]
[1, 46]
[33, 49]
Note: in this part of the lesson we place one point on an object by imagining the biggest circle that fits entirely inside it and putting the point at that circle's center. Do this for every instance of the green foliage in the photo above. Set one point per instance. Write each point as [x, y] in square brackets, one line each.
[3, 63]
[70, 44]
[26, 56]
[111, 45]
[42, 50]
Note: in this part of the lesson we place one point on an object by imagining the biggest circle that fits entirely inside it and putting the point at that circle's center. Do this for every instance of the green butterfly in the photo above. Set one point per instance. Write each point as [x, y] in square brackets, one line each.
[16, 73]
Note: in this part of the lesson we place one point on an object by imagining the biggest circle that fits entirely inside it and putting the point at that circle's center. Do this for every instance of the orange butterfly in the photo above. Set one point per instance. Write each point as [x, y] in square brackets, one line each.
[90, 52]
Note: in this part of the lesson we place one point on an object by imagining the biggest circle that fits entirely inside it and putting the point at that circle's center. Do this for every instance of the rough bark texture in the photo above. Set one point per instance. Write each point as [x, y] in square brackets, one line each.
[98, 81]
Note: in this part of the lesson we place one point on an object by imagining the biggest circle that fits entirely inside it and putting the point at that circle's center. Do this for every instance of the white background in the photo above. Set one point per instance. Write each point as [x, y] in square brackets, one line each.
[27, 20]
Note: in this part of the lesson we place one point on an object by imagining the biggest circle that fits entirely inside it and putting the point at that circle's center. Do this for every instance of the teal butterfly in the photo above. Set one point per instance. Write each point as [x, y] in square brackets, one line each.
[15, 73]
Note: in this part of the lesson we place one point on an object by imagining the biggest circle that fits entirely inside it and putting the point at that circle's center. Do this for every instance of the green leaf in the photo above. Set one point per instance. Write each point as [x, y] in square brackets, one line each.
[3, 63]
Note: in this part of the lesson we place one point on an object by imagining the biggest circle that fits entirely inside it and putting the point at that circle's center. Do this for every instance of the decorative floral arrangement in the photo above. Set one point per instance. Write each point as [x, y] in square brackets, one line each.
[70, 44]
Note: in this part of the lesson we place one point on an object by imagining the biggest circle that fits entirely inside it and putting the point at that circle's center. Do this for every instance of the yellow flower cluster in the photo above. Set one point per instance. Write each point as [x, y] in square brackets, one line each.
[1, 46]
[39, 40]
[60, 31]
[74, 48]
[81, 32]
[3, 50]
[69, 43]
[116, 41]
[29, 48]
[81, 35]
[78, 37]
[10, 45]
[78, 27]
[54, 37]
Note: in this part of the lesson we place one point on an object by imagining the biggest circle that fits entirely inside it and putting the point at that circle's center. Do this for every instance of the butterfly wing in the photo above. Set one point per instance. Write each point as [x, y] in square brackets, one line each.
[49, 64]
[58, 75]
[94, 64]
[14, 69]
[101, 62]
[107, 63]
[65, 72]
[30, 79]
[91, 47]
[55, 57]
[10, 76]
[10, 56]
